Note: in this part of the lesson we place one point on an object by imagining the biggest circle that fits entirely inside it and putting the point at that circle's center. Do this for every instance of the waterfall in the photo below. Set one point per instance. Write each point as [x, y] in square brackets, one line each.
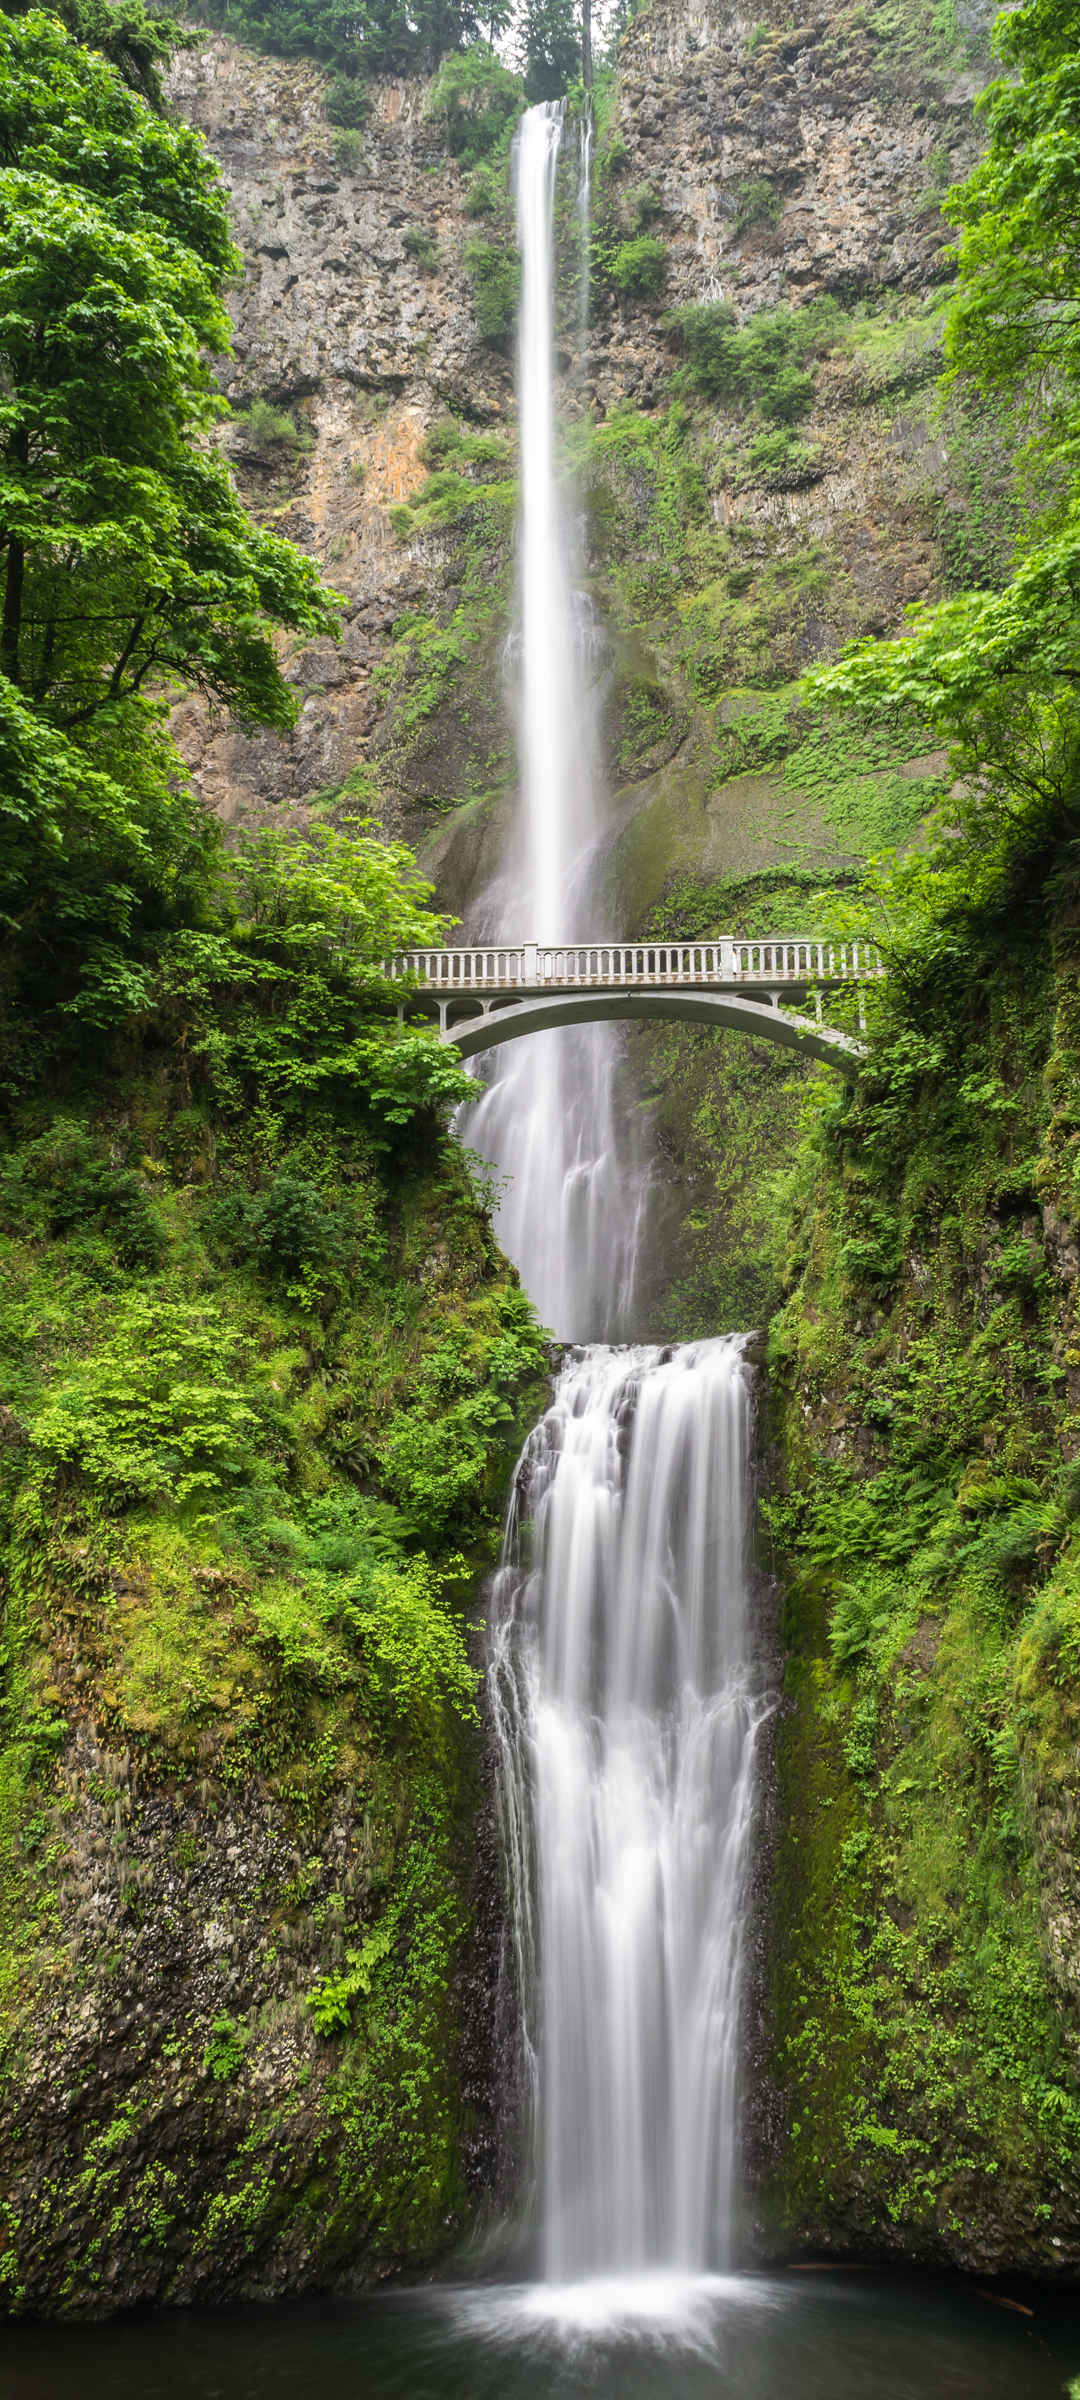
[623, 1700]
[626, 1712]
[573, 1187]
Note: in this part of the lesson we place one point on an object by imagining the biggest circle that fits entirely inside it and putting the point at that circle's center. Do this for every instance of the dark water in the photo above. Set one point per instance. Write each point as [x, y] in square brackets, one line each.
[782, 2337]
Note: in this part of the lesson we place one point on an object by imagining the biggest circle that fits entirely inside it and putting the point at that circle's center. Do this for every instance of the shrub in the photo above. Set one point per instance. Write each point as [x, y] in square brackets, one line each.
[757, 202]
[638, 268]
[349, 147]
[60, 1184]
[777, 457]
[223, 2056]
[476, 100]
[347, 102]
[448, 444]
[482, 195]
[421, 245]
[763, 361]
[289, 1001]
[288, 1231]
[616, 157]
[148, 1413]
[643, 205]
[495, 274]
[263, 427]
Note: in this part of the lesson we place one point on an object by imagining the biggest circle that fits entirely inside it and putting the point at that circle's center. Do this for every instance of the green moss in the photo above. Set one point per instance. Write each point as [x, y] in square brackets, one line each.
[494, 271]
[236, 1564]
[926, 1536]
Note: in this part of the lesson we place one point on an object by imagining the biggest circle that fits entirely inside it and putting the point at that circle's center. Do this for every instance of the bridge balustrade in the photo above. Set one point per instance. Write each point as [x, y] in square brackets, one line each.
[777, 959]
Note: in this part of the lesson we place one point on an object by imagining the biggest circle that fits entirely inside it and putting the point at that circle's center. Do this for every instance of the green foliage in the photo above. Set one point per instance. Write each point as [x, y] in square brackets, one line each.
[332, 1999]
[150, 1412]
[225, 2051]
[763, 362]
[776, 458]
[477, 101]
[127, 563]
[757, 202]
[286, 997]
[138, 41]
[264, 427]
[419, 243]
[637, 269]
[347, 103]
[1017, 310]
[379, 37]
[548, 44]
[641, 207]
[483, 197]
[350, 148]
[290, 1231]
[993, 672]
[61, 1184]
[113, 249]
[449, 445]
[436, 1451]
[494, 270]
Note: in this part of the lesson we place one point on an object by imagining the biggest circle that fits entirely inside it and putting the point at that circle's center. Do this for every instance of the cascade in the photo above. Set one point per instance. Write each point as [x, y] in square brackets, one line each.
[575, 1194]
[626, 1712]
[624, 1704]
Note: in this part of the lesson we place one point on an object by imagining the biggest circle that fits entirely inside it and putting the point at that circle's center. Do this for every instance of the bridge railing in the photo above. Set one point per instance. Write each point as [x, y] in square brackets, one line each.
[775, 959]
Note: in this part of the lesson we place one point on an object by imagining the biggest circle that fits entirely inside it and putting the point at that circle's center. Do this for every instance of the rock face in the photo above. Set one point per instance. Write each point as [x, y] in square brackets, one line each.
[774, 166]
[790, 162]
[336, 322]
[182, 2132]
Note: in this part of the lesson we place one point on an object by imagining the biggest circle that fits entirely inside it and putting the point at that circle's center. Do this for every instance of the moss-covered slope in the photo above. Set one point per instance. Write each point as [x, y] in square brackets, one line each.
[262, 1393]
[924, 1520]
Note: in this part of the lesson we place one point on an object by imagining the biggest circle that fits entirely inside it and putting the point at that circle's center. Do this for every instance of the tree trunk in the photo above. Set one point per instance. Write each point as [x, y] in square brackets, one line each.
[11, 623]
[586, 44]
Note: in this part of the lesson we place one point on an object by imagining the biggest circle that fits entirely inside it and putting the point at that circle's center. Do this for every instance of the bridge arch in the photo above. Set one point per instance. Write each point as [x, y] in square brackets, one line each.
[496, 993]
[494, 1025]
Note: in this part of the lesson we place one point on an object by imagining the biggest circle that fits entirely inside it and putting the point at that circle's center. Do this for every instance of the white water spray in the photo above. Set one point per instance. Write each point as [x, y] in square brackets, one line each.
[574, 1191]
[626, 1714]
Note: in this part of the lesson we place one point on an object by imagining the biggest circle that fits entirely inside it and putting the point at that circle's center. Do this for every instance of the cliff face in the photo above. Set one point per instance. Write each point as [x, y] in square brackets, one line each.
[336, 323]
[774, 166]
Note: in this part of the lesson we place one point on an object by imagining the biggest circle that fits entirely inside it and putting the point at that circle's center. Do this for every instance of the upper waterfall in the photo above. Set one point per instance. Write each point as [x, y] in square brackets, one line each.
[575, 1184]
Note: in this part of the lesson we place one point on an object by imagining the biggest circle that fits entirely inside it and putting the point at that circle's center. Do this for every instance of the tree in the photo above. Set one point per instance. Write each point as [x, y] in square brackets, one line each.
[126, 558]
[136, 40]
[1015, 325]
[997, 674]
[549, 47]
[374, 37]
[128, 568]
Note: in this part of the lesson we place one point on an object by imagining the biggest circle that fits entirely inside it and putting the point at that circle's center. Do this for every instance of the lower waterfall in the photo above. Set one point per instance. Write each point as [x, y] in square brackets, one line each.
[626, 1711]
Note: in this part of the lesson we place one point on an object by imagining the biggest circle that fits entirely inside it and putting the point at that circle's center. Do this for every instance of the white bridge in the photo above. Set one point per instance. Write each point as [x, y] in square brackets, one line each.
[493, 994]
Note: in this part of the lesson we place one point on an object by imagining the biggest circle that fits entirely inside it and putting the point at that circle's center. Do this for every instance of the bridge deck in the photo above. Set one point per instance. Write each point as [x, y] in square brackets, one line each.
[536, 967]
[490, 994]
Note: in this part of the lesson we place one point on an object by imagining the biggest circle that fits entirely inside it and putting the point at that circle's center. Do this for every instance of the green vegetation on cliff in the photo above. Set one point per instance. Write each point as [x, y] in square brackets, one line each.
[264, 1373]
[926, 1396]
